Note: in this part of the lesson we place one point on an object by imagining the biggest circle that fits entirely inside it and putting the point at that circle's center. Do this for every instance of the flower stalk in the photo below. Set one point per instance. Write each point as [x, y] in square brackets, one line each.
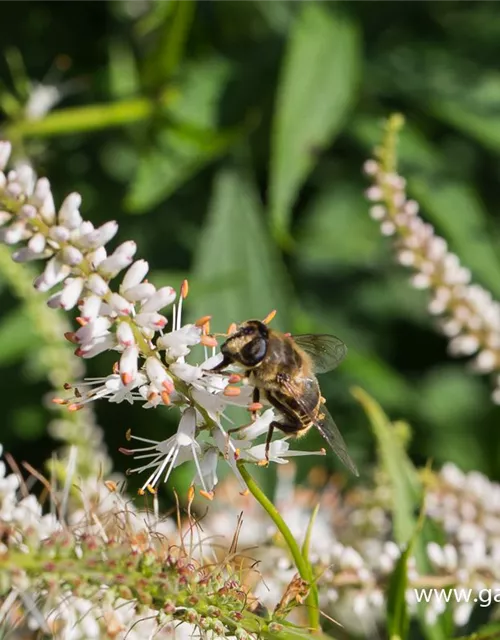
[303, 566]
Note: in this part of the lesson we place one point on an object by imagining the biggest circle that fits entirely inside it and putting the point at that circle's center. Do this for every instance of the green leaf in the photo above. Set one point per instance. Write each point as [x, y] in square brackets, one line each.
[190, 141]
[171, 42]
[177, 158]
[316, 89]
[394, 460]
[407, 500]
[236, 252]
[337, 230]
[398, 621]
[122, 70]
[17, 338]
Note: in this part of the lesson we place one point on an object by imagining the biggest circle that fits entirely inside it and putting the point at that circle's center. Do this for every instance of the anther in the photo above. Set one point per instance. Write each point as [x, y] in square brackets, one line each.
[234, 378]
[232, 391]
[202, 321]
[111, 485]
[208, 341]
[128, 435]
[165, 396]
[269, 317]
[151, 489]
[75, 407]
[232, 328]
[209, 495]
[255, 406]
[184, 289]
[61, 401]
[140, 492]
[126, 378]
[71, 337]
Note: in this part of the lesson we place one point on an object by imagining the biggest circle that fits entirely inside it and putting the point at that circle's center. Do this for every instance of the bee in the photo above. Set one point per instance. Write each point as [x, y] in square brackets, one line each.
[283, 368]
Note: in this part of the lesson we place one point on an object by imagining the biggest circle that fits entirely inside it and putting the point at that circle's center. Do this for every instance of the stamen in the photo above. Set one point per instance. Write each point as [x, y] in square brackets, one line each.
[232, 391]
[255, 406]
[208, 341]
[165, 396]
[232, 328]
[111, 485]
[209, 495]
[202, 321]
[184, 289]
[234, 378]
[269, 316]
[75, 407]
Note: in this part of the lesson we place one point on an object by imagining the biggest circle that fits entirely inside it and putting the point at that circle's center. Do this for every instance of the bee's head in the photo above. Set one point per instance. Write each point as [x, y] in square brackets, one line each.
[248, 344]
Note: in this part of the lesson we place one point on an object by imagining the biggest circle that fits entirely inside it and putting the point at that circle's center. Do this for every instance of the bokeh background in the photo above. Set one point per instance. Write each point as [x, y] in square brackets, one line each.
[227, 138]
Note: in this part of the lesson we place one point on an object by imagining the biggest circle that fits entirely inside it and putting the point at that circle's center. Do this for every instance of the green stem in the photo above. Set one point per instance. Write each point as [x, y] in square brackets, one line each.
[303, 567]
[91, 117]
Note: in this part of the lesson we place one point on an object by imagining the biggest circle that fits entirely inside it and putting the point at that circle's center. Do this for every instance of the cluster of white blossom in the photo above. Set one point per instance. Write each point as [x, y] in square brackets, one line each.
[127, 317]
[353, 549]
[470, 316]
[93, 531]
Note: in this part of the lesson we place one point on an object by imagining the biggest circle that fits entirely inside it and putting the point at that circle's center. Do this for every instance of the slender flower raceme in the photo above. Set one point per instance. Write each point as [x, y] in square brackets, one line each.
[469, 315]
[120, 311]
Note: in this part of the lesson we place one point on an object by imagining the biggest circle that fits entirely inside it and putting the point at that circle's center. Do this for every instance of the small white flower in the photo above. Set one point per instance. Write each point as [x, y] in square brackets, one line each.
[167, 454]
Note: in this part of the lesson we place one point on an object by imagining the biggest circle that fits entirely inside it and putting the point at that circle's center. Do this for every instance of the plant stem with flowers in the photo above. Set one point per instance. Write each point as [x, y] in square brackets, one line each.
[151, 366]
[470, 317]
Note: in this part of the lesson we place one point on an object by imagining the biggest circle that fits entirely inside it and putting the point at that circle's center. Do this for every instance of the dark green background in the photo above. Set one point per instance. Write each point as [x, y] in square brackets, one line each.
[256, 90]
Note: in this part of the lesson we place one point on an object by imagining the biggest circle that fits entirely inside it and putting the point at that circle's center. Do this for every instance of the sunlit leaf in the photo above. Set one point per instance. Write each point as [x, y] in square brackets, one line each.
[316, 89]
[336, 230]
[236, 252]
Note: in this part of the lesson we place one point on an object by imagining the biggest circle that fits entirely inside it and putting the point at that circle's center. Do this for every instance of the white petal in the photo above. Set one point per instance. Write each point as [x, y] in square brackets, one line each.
[59, 233]
[71, 293]
[125, 335]
[128, 364]
[37, 243]
[97, 285]
[71, 255]
[153, 321]
[162, 298]
[91, 307]
[138, 292]
[135, 274]
[100, 236]
[120, 305]
[69, 214]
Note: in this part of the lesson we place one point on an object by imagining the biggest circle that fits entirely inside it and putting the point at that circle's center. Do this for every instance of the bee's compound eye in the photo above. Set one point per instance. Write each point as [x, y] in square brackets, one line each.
[248, 331]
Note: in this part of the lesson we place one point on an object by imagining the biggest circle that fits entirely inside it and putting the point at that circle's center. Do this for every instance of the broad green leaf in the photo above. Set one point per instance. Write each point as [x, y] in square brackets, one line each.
[236, 252]
[122, 70]
[337, 230]
[407, 499]
[17, 338]
[393, 458]
[316, 89]
[171, 39]
[189, 141]
[398, 620]
[176, 159]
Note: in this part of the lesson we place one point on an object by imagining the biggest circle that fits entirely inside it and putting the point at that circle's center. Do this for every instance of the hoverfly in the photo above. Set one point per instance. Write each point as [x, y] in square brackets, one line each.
[284, 369]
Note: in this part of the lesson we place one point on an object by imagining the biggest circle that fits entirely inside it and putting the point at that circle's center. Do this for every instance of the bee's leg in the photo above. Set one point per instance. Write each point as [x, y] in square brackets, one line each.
[265, 462]
[229, 433]
[255, 406]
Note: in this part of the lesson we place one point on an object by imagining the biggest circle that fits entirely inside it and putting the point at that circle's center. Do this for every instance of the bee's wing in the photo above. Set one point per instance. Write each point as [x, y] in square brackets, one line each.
[326, 351]
[327, 427]
[332, 435]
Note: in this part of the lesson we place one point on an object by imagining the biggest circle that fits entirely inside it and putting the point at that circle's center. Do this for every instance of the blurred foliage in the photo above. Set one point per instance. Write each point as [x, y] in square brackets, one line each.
[228, 138]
